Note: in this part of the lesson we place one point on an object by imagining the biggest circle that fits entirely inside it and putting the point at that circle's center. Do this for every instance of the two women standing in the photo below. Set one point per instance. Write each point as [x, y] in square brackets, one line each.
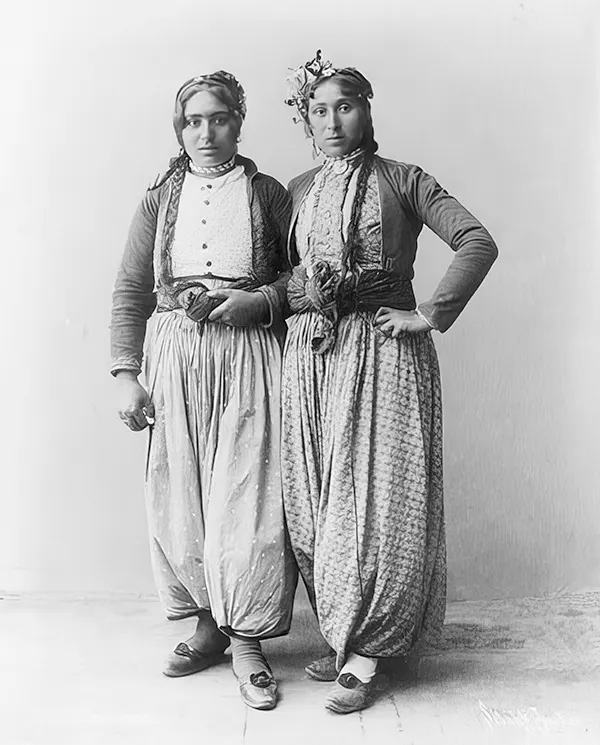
[360, 448]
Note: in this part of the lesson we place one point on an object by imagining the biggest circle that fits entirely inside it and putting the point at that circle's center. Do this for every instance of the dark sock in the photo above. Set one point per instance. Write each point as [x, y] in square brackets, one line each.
[207, 638]
[247, 657]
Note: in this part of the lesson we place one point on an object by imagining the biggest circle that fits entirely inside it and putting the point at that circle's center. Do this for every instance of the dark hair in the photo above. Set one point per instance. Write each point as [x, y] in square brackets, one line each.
[228, 90]
[355, 85]
[221, 84]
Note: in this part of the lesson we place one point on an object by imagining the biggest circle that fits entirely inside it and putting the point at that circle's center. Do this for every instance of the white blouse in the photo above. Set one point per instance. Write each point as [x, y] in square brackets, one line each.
[213, 232]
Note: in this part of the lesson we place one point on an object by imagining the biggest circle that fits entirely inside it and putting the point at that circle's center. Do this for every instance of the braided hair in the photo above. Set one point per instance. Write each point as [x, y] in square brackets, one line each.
[348, 256]
[355, 84]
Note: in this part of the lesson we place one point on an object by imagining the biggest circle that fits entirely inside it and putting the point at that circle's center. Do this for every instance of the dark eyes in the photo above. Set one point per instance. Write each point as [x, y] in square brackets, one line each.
[220, 121]
[344, 108]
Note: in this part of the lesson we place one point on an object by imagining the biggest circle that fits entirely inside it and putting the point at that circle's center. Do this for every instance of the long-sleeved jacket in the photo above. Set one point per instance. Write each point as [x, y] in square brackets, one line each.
[409, 199]
[143, 279]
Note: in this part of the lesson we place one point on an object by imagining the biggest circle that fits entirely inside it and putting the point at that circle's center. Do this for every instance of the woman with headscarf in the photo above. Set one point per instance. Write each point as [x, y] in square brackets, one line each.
[202, 283]
[362, 416]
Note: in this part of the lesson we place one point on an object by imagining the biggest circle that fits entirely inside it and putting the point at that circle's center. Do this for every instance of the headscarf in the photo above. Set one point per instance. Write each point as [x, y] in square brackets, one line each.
[223, 84]
[227, 89]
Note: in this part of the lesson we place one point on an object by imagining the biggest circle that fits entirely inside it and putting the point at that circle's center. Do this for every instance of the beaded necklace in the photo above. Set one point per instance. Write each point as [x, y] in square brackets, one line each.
[212, 170]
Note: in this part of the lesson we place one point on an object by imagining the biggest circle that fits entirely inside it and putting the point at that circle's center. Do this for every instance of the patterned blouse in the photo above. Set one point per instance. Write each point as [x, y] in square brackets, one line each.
[324, 217]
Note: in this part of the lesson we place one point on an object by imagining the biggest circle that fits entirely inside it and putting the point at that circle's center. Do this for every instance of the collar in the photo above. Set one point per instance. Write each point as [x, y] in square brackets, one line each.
[250, 167]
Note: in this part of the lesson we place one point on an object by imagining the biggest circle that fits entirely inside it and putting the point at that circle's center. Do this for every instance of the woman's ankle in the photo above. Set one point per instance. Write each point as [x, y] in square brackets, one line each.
[207, 637]
[247, 657]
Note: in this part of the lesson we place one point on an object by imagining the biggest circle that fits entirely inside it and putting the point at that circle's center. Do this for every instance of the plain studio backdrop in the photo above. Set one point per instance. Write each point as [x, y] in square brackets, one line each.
[498, 100]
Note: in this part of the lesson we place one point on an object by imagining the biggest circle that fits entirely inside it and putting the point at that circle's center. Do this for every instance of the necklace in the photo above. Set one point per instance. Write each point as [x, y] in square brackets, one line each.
[342, 163]
[211, 170]
[349, 156]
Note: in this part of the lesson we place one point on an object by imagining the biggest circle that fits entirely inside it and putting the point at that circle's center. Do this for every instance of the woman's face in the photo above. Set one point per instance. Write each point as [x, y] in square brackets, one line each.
[336, 119]
[210, 130]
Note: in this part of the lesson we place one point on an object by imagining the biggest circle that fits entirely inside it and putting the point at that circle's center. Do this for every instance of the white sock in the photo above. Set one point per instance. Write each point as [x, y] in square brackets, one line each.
[364, 668]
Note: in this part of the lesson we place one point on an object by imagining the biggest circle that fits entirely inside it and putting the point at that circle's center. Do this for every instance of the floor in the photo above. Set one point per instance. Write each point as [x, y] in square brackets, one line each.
[87, 672]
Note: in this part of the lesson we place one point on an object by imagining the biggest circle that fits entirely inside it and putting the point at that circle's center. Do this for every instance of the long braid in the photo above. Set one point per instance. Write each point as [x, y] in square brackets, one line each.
[177, 176]
[181, 161]
[359, 198]
[349, 256]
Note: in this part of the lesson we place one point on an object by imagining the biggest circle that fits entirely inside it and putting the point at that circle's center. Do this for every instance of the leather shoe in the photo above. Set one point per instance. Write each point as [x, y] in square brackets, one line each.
[185, 660]
[259, 690]
[349, 694]
[323, 670]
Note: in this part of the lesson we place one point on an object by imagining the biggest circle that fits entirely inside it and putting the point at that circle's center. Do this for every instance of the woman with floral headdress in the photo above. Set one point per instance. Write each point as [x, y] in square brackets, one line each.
[362, 417]
[202, 282]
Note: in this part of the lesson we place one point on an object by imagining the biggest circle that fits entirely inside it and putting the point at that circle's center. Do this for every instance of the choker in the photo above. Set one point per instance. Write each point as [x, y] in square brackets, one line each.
[342, 163]
[211, 170]
[349, 156]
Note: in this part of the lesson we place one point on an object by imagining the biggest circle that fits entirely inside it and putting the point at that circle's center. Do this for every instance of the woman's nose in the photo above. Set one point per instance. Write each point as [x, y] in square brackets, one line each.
[205, 131]
[333, 121]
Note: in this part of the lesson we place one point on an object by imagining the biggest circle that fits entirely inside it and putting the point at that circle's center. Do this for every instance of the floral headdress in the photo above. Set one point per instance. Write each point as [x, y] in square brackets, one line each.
[301, 82]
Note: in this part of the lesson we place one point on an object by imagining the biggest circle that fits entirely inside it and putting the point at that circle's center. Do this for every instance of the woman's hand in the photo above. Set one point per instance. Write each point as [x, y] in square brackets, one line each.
[135, 407]
[240, 308]
[393, 322]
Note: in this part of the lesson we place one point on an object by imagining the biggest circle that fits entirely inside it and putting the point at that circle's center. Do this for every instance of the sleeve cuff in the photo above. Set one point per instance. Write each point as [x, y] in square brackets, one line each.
[423, 315]
[128, 365]
[268, 292]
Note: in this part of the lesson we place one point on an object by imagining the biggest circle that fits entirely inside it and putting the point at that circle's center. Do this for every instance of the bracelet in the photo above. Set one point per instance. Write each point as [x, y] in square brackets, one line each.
[423, 318]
